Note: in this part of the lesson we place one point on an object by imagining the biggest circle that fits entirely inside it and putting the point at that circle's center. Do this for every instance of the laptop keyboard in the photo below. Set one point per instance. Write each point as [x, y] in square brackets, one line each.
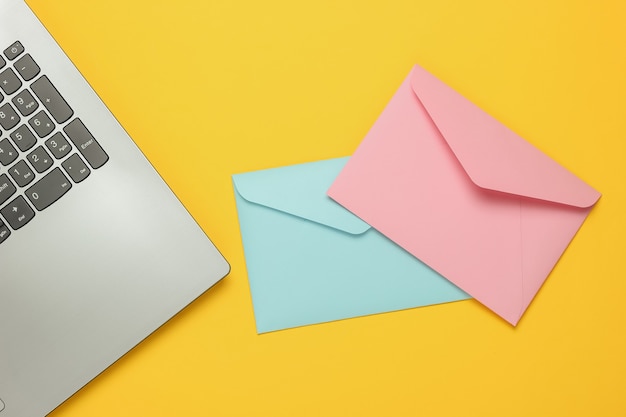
[44, 148]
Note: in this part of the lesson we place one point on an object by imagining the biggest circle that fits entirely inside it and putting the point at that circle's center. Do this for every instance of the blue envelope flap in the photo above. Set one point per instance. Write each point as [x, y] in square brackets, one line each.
[300, 190]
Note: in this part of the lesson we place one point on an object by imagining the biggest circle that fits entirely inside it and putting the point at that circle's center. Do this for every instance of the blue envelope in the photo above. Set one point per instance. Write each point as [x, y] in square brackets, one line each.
[309, 260]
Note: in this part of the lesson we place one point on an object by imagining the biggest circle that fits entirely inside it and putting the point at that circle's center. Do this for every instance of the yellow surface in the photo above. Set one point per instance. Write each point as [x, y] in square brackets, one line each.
[211, 88]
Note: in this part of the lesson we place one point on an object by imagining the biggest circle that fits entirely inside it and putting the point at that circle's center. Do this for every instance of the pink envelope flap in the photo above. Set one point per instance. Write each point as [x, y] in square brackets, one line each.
[493, 156]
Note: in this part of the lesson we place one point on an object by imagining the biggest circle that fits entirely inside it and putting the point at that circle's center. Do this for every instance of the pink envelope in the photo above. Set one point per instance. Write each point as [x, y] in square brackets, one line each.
[464, 194]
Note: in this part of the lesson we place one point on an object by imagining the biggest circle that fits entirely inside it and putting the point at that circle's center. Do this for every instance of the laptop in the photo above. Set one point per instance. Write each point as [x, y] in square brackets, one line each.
[96, 252]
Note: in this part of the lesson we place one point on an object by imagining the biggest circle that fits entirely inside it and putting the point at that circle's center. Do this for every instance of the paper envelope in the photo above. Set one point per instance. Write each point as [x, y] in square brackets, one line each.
[309, 260]
[464, 194]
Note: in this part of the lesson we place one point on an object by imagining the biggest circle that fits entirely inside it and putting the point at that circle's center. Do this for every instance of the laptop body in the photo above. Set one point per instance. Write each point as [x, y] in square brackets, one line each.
[96, 252]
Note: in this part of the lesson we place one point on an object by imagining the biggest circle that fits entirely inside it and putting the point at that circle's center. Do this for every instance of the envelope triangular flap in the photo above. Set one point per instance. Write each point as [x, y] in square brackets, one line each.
[300, 190]
[493, 156]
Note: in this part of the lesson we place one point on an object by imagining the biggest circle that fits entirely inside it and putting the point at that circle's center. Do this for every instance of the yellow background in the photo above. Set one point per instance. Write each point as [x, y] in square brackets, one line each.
[211, 88]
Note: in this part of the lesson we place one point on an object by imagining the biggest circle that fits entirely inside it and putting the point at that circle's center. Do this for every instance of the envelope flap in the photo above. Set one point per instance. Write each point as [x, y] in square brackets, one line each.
[300, 190]
[493, 156]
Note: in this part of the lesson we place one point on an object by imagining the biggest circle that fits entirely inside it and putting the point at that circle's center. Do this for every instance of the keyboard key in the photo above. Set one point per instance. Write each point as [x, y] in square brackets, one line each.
[2, 62]
[17, 213]
[41, 124]
[4, 232]
[58, 145]
[48, 189]
[8, 117]
[14, 50]
[9, 81]
[8, 153]
[22, 174]
[25, 103]
[40, 160]
[86, 143]
[7, 189]
[50, 97]
[23, 138]
[76, 168]
[27, 67]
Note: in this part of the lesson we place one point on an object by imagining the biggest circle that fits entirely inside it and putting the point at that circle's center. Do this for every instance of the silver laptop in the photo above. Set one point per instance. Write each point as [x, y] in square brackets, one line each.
[96, 252]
